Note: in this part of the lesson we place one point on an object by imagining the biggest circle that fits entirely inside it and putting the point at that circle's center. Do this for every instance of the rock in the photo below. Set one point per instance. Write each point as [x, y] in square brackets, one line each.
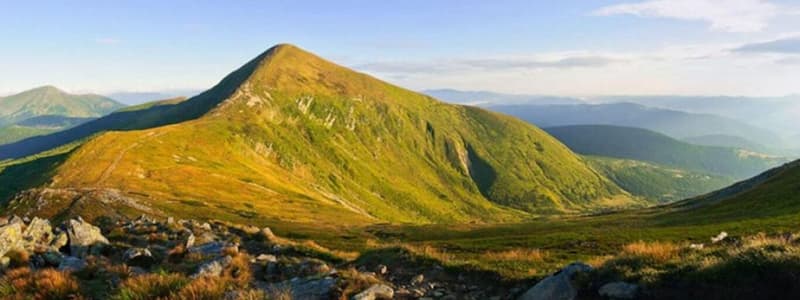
[213, 268]
[138, 257]
[313, 267]
[696, 246]
[206, 237]
[382, 269]
[619, 290]
[267, 258]
[206, 226]
[557, 286]
[189, 243]
[16, 220]
[267, 233]
[213, 248]
[53, 258]
[250, 229]
[417, 279]
[376, 291]
[721, 236]
[312, 289]
[84, 237]
[38, 235]
[10, 237]
[59, 241]
[72, 264]
[170, 220]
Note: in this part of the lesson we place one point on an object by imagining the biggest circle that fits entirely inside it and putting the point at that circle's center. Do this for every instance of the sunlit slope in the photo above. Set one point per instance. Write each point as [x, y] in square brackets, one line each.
[301, 138]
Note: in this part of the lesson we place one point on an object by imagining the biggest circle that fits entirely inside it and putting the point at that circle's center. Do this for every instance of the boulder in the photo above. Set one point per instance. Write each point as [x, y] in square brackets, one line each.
[212, 248]
[213, 268]
[267, 233]
[376, 291]
[189, 243]
[417, 279]
[16, 220]
[38, 235]
[72, 264]
[59, 241]
[138, 257]
[619, 290]
[313, 288]
[10, 237]
[557, 286]
[720, 237]
[84, 237]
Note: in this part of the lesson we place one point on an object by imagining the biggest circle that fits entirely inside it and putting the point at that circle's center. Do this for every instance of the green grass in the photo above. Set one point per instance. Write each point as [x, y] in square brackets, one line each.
[644, 145]
[13, 133]
[657, 183]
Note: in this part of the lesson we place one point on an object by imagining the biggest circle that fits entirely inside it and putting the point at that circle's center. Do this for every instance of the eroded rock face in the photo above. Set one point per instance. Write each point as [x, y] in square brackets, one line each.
[84, 237]
[10, 237]
[557, 286]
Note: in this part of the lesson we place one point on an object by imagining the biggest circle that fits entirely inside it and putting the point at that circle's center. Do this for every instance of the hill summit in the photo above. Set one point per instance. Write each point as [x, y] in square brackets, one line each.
[292, 137]
[51, 101]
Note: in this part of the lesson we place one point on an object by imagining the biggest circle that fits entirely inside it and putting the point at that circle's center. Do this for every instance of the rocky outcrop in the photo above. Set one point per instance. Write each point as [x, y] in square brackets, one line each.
[558, 286]
[84, 238]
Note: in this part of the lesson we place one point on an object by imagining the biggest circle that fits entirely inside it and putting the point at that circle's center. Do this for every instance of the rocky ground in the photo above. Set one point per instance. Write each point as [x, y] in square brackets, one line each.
[187, 259]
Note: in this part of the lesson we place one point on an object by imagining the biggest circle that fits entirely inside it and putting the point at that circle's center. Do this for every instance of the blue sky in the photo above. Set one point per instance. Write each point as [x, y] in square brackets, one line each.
[731, 47]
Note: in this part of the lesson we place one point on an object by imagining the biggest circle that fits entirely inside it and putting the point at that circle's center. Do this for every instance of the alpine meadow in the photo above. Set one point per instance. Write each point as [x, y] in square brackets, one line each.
[439, 150]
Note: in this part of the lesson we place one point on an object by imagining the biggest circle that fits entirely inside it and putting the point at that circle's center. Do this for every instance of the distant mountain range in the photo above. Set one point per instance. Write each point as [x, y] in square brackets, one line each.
[47, 109]
[484, 98]
[646, 145]
[676, 124]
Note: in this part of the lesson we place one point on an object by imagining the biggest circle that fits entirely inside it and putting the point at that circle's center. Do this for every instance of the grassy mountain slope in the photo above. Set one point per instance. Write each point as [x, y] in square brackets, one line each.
[36, 126]
[655, 182]
[645, 145]
[49, 100]
[771, 194]
[293, 131]
[676, 124]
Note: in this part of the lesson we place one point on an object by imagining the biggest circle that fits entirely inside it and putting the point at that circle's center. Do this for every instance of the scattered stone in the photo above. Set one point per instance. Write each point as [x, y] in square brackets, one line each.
[720, 237]
[138, 257]
[417, 279]
[376, 291]
[72, 264]
[212, 248]
[206, 237]
[267, 233]
[312, 289]
[189, 243]
[213, 268]
[10, 237]
[84, 237]
[619, 290]
[170, 220]
[205, 226]
[557, 286]
[696, 246]
[382, 269]
[267, 258]
[4, 262]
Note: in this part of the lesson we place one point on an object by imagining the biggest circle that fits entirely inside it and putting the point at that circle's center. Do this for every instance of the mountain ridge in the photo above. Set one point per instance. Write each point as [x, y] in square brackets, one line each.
[293, 130]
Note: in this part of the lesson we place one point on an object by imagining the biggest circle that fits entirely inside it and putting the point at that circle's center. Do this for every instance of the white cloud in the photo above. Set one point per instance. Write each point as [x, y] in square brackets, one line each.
[721, 15]
[697, 69]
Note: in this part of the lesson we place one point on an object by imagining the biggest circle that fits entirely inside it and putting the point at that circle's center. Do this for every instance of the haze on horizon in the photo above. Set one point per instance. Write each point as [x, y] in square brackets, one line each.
[569, 48]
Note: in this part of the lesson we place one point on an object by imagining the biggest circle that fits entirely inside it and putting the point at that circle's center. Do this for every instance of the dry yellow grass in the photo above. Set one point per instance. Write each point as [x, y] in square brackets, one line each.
[22, 283]
[658, 251]
[516, 254]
